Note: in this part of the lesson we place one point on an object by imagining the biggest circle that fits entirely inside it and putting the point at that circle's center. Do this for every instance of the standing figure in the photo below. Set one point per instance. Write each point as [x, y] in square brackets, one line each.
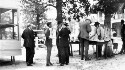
[85, 29]
[48, 43]
[29, 44]
[64, 45]
[122, 37]
[57, 38]
[98, 35]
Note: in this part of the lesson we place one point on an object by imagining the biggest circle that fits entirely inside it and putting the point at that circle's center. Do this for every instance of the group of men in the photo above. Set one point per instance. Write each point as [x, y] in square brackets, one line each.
[62, 41]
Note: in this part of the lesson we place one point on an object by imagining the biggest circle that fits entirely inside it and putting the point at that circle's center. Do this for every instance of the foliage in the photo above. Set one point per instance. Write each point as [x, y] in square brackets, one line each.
[77, 8]
[107, 6]
[33, 11]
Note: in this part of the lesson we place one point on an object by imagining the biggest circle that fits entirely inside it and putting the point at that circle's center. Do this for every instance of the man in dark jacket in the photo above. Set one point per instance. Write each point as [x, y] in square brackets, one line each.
[64, 44]
[28, 36]
[57, 38]
[122, 37]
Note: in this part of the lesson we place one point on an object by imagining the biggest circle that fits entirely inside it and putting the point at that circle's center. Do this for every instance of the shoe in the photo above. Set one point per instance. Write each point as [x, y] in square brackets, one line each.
[61, 64]
[48, 65]
[94, 53]
[29, 65]
[120, 53]
[87, 59]
[81, 58]
[67, 63]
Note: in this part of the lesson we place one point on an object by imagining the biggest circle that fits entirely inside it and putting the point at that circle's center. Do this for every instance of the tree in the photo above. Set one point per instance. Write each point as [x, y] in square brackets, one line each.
[34, 11]
[108, 7]
[72, 7]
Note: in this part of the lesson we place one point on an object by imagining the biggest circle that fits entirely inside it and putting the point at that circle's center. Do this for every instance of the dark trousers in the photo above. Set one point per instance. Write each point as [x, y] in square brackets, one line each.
[29, 55]
[99, 50]
[59, 53]
[123, 47]
[84, 43]
[49, 48]
[64, 55]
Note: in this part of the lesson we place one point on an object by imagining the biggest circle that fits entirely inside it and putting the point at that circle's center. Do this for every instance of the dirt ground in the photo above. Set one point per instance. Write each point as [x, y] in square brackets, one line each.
[115, 63]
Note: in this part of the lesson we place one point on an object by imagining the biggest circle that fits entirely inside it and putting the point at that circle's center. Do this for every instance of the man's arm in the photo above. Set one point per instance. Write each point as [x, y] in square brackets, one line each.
[32, 34]
[47, 33]
[23, 34]
[93, 32]
[88, 28]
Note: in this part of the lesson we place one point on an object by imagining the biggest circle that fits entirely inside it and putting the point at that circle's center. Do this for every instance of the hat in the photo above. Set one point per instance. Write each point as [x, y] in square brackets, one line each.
[122, 21]
[89, 20]
[96, 23]
[66, 24]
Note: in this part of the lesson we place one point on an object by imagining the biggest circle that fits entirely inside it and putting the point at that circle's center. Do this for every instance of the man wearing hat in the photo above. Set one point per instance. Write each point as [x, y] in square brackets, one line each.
[85, 29]
[64, 44]
[122, 37]
[57, 38]
[98, 35]
[29, 44]
[48, 43]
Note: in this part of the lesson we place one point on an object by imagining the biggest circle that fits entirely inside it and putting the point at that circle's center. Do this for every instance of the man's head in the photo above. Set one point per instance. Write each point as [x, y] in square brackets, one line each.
[122, 21]
[88, 21]
[96, 24]
[59, 24]
[49, 24]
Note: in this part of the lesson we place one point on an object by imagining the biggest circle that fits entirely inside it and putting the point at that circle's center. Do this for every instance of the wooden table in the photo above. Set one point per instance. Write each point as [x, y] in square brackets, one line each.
[71, 46]
[90, 43]
[98, 43]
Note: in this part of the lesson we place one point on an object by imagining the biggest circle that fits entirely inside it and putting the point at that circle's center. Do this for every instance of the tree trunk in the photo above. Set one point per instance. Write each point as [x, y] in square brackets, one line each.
[59, 10]
[107, 27]
[107, 34]
[0, 29]
[38, 21]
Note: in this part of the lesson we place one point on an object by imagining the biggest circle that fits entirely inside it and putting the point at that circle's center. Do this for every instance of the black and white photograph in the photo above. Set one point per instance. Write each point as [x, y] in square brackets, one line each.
[62, 34]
